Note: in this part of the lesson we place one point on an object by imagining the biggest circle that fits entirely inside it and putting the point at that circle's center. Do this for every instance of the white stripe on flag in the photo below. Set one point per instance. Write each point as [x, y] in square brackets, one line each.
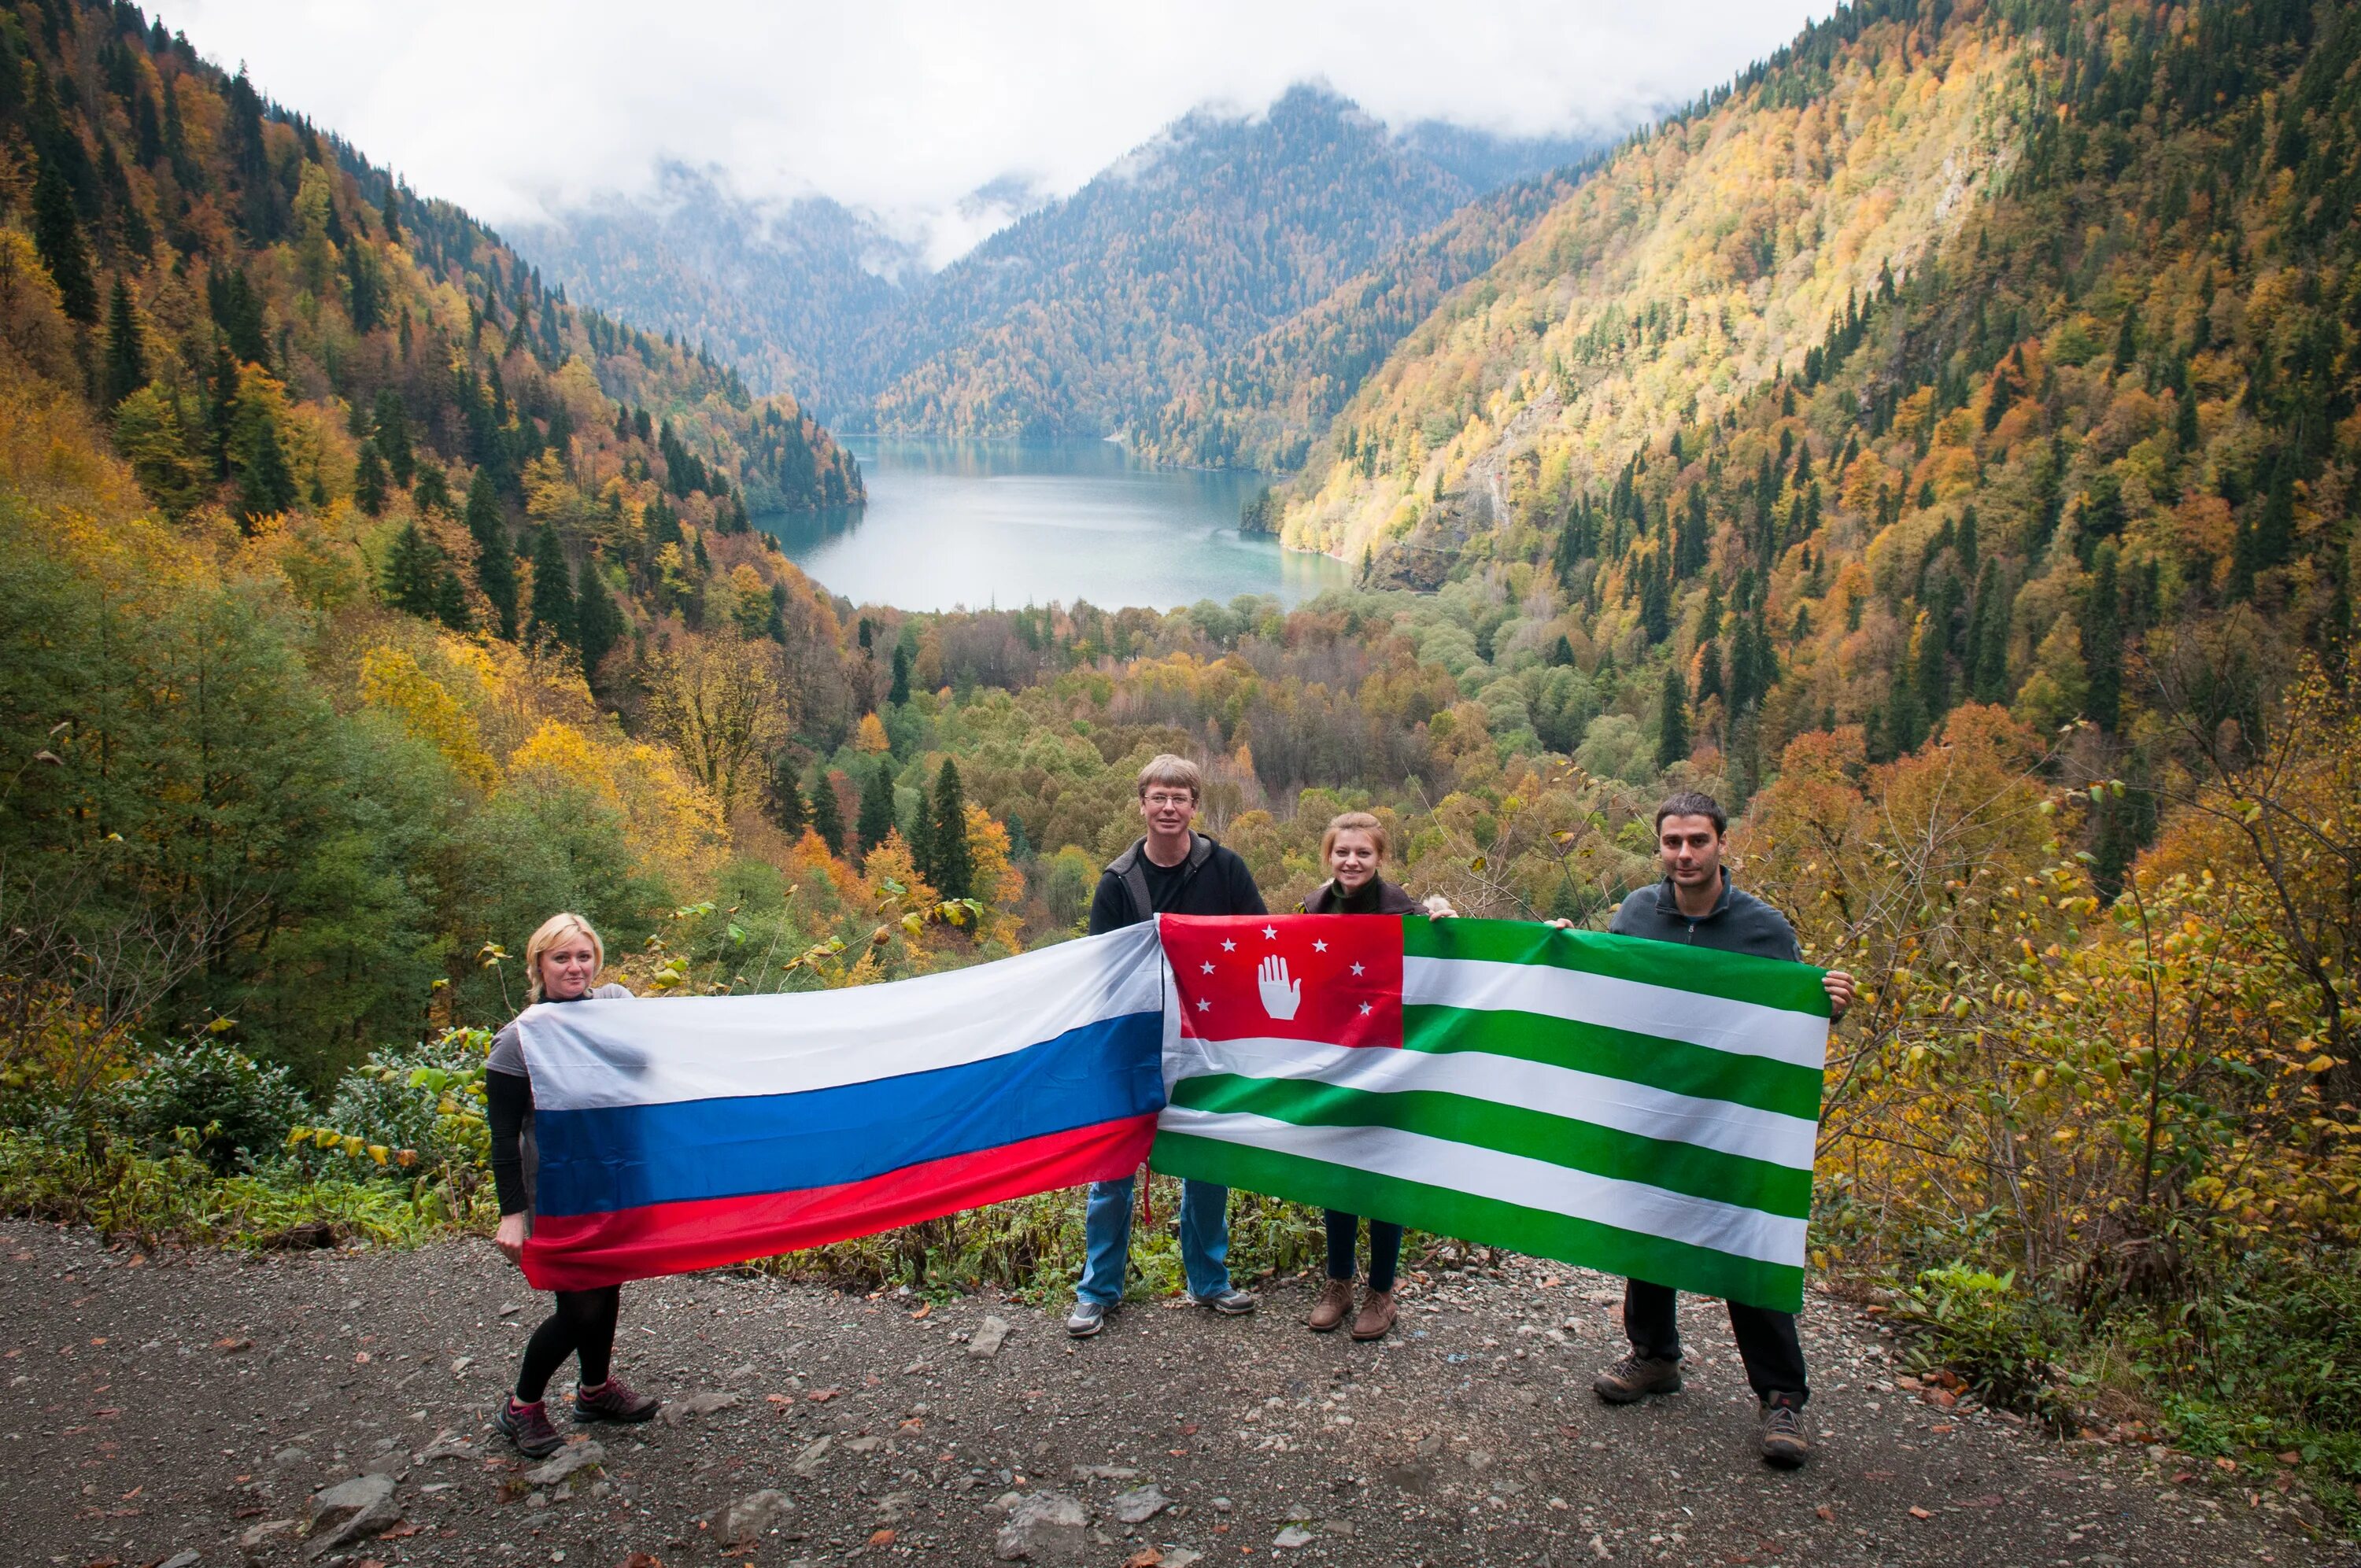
[709, 1048]
[1745, 1028]
[1615, 1102]
[1512, 1178]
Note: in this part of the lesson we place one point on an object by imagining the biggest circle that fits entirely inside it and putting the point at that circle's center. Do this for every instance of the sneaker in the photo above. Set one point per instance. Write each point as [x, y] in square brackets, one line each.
[527, 1426]
[1377, 1315]
[1335, 1300]
[1087, 1318]
[1231, 1302]
[1783, 1441]
[613, 1401]
[1636, 1376]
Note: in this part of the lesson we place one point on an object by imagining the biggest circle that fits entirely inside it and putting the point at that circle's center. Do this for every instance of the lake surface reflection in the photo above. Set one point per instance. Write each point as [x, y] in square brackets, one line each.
[982, 522]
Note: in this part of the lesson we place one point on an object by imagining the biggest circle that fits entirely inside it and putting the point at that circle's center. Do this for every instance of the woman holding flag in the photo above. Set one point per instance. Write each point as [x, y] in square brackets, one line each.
[1354, 846]
[563, 959]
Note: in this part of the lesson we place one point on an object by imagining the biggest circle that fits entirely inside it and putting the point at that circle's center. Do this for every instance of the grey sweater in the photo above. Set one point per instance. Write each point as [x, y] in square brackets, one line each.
[1738, 922]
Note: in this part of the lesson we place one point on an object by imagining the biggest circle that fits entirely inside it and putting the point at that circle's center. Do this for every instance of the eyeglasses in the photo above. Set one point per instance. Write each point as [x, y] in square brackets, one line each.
[1171, 799]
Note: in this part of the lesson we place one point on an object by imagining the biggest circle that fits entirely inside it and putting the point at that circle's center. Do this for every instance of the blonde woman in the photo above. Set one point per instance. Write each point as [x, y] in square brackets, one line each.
[1354, 846]
[563, 959]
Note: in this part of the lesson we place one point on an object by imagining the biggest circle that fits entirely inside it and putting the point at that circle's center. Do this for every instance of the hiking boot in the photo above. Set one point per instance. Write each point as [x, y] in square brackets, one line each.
[1636, 1376]
[1782, 1442]
[1377, 1315]
[527, 1426]
[1087, 1318]
[1335, 1300]
[613, 1401]
[1231, 1302]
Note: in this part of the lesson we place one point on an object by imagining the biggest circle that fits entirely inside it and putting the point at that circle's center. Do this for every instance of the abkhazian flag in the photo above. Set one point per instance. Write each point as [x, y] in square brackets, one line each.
[1645, 1108]
[693, 1132]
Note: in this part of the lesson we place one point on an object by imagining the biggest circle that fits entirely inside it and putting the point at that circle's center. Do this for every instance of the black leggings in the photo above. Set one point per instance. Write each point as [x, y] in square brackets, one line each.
[583, 1326]
[1385, 1248]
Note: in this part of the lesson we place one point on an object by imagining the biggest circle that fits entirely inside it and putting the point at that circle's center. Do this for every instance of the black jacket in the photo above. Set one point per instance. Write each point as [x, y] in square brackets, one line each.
[1739, 922]
[1212, 880]
[1389, 900]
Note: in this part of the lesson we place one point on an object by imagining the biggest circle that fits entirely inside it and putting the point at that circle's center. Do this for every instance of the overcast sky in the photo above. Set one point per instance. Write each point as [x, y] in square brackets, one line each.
[514, 108]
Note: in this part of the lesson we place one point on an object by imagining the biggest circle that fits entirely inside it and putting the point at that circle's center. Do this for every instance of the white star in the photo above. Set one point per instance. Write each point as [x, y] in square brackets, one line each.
[1229, 947]
[1319, 947]
[1364, 1009]
[1203, 1006]
[1271, 932]
[1356, 969]
[1205, 968]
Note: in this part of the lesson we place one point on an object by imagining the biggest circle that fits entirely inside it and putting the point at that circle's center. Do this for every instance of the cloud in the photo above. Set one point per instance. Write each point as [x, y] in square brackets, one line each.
[906, 108]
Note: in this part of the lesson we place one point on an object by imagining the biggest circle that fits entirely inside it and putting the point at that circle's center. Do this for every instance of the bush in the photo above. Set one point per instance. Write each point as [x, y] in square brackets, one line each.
[235, 1111]
[1995, 1337]
[426, 1098]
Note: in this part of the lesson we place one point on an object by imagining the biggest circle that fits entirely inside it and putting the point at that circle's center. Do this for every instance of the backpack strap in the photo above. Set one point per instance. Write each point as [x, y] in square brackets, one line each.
[1126, 867]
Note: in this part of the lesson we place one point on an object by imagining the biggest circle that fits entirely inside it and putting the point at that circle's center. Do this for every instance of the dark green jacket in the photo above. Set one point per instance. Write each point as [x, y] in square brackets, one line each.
[1739, 922]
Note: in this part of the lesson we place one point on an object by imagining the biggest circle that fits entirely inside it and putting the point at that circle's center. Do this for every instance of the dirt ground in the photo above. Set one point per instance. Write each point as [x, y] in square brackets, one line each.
[187, 1408]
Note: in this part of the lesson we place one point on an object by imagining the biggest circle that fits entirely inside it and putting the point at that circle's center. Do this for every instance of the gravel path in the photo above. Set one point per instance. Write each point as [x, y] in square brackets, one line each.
[167, 1409]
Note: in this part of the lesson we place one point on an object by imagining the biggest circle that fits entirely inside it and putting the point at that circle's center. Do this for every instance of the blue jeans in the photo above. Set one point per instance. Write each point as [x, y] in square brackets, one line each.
[1106, 1239]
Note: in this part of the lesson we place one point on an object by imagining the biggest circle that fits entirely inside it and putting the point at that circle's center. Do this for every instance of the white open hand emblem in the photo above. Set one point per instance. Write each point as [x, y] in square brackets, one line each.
[1281, 995]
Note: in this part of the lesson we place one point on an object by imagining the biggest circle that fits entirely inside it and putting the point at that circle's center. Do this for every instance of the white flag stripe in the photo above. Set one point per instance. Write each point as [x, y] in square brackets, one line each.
[711, 1048]
[1614, 1103]
[1743, 1028]
[1512, 1178]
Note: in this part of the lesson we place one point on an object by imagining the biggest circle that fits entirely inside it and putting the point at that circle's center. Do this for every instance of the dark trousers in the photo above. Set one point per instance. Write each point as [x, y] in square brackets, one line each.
[1343, 1239]
[583, 1327]
[1767, 1341]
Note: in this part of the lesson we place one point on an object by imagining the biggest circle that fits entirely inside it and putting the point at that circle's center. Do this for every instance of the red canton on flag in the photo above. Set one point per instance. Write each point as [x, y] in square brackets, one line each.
[1296, 977]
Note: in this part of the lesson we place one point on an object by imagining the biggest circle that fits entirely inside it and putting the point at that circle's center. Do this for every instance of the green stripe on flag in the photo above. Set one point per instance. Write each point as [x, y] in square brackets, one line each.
[1513, 1129]
[1674, 1064]
[1736, 977]
[1442, 1211]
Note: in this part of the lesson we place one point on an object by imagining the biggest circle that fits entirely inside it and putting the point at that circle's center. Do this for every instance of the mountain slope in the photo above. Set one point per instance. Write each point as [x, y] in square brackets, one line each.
[784, 296]
[1077, 317]
[1998, 354]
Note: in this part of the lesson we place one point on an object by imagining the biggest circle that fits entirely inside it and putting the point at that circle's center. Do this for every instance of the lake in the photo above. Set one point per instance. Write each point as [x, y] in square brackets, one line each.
[1009, 523]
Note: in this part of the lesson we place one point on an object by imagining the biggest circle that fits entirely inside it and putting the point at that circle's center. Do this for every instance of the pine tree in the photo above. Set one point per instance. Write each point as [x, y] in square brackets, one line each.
[414, 576]
[368, 480]
[2103, 640]
[57, 236]
[877, 818]
[495, 558]
[598, 618]
[919, 833]
[783, 801]
[125, 369]
[1672, 720]
[827, 814]
[953, 872]
[554, 614]
[265, 486]
[392, 422]
[1988, 639]
[900, 692]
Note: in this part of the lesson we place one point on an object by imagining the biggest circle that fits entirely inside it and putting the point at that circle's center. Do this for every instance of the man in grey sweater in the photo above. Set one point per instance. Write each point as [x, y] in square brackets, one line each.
[1696, 904]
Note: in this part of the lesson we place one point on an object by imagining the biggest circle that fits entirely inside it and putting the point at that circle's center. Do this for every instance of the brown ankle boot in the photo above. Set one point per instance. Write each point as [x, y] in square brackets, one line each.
[1377, 1315]
[1335, 1300]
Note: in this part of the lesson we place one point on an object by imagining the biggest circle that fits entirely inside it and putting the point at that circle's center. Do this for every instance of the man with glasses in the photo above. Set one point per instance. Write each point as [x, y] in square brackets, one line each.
[1170, 870]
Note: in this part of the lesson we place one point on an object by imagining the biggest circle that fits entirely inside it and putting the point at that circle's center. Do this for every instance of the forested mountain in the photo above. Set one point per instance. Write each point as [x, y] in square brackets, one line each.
[782, 295]
[1945, 358]
[288, 455]
[1087, 312]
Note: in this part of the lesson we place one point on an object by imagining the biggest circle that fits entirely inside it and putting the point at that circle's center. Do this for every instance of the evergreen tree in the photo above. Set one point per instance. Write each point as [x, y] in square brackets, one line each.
[2103, 640]
[1672, 720]
[495, 558]
[1561, 653]
[827, 814]
[599, 621]
[900, 693]
[57, 236]
[392, 421]
[413, 581]
[554, 617]
[126, 367]
[877, 818]
[919, 834]
[953, 872]
[265, 486]
[368, 480]
[1988, 639]
[783, 801]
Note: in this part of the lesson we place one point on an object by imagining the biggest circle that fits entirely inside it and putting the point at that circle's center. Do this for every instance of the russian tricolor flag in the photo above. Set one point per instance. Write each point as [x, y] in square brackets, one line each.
[700, 1132]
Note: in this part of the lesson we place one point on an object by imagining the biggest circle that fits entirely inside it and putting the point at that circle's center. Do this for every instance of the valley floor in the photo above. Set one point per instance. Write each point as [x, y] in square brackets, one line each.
[165, 1409]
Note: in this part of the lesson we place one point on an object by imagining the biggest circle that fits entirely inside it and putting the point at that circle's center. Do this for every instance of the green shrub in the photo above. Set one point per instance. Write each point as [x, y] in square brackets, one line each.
[236, 1110]
[1996, 1338]
[426, 1098]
